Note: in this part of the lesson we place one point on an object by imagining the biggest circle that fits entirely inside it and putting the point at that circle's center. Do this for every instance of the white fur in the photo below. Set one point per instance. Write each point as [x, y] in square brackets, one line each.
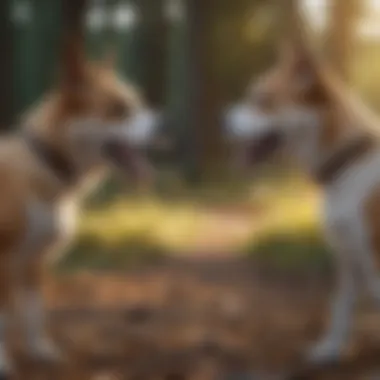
[34, 322]
[141, 130]
[243, 122]
[138, 130]
[47, 224]
[347, 232]
[88, 136]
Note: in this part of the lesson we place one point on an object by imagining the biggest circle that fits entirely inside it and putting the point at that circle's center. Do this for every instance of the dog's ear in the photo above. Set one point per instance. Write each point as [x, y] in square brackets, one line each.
[73, 67]
[297, 60]
[304, 72]
[295, 52]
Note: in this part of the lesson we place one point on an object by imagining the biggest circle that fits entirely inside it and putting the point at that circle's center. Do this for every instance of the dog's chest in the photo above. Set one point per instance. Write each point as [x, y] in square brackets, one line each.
[345, 200]
[48, 225]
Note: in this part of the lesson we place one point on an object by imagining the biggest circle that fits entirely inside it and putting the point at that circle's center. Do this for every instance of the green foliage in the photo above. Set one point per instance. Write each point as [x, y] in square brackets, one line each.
[89, 254]
[303, 251]
[244, 36]
[36, 41]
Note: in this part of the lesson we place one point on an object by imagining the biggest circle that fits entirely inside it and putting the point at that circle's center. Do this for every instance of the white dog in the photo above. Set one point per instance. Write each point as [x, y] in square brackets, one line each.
[301, 107]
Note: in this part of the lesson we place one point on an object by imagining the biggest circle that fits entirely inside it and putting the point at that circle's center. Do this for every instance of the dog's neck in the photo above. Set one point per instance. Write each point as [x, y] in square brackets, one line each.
[49, 138]
[338, 121]
[336, 137]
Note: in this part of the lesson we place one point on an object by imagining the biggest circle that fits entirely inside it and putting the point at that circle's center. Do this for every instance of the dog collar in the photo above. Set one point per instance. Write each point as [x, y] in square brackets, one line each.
[344, 157]
[58, 163]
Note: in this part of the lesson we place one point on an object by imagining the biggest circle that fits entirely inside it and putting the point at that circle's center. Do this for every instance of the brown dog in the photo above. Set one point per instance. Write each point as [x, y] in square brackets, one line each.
[81, 127]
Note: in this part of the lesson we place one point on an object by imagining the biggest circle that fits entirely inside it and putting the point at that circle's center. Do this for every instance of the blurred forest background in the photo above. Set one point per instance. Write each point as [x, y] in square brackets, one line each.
[191, 58]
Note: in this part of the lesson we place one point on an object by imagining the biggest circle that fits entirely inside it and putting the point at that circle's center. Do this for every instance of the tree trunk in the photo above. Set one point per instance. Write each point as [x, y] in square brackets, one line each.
[74, 12]
[203, 85]
[152, 50]
[6, 67]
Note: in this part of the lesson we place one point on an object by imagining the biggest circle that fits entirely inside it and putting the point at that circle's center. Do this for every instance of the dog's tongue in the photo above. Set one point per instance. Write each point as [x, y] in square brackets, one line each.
[130, 160]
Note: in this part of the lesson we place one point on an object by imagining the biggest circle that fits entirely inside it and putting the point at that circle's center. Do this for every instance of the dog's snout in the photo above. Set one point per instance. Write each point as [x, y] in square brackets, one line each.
[144, 127]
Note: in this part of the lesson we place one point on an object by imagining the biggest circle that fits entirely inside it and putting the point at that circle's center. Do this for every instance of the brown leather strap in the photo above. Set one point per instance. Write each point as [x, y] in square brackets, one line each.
[60, 165]
[343, 158]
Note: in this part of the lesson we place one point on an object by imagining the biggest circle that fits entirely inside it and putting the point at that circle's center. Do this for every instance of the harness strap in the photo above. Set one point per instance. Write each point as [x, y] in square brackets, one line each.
[343, 158]
[57, 162]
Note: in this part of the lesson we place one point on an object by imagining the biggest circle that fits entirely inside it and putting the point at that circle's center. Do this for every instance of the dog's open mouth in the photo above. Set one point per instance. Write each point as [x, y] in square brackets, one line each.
[260, 149]
[128, 159]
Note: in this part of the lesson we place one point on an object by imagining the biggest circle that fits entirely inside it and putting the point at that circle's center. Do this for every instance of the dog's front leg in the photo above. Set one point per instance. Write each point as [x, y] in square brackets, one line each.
[29, 264]
[32, 311]
[330, 347]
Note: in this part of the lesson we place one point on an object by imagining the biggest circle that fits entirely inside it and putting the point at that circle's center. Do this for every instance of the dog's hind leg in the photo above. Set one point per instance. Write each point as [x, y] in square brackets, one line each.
[367, 259]
[370, 277]
[330, 347]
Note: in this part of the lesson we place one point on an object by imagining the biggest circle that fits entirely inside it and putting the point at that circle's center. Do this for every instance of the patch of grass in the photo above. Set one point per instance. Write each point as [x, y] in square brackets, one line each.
[92, 255]
[143, 218]
[127, 229]
[298, 251]
[288, 236]
[130, 230]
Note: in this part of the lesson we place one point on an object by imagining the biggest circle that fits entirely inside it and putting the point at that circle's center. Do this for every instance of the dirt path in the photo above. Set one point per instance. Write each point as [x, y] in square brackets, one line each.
[191, 319]
[222, 231]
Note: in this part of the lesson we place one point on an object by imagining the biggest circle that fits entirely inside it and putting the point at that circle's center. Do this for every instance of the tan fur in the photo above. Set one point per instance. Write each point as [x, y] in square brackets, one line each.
[278, 87]
[102, 96]
[337, 105]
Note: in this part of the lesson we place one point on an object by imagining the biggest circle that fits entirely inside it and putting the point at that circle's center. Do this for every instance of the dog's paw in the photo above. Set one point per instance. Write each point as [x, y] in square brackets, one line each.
[45, 351]
[5, 366]
[324, 353]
